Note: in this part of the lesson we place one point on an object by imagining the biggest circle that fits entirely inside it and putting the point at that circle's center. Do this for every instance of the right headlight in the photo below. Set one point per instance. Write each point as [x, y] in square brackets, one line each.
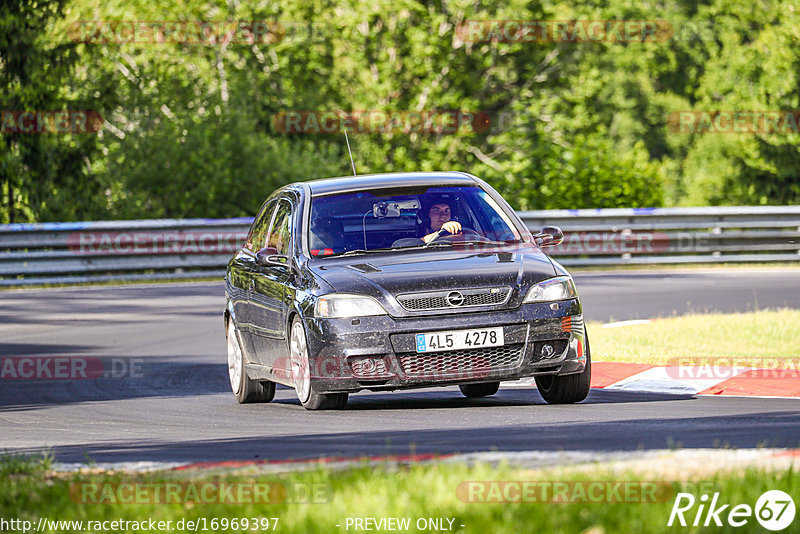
[558, 288]
[338, 305]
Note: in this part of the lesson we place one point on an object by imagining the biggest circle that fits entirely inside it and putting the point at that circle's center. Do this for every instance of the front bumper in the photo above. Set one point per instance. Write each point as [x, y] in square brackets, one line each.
[378, 353]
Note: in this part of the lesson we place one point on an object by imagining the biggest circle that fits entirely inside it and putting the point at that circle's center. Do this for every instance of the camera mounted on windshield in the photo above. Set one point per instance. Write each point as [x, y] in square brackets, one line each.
[383, 209]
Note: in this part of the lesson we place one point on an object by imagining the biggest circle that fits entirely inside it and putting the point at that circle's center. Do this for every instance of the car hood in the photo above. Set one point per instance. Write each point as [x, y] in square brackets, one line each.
[385, 276]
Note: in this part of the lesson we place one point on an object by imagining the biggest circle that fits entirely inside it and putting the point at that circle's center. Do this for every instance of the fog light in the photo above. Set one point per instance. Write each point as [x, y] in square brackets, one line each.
[547, 350]
[369, 367]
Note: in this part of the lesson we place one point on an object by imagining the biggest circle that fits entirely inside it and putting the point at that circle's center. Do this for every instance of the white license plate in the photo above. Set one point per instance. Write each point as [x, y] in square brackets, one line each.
[459, 339]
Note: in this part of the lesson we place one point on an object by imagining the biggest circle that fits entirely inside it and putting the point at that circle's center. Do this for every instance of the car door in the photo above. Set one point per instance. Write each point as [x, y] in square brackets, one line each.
[268, 302]
[237, 281]
[245, 268]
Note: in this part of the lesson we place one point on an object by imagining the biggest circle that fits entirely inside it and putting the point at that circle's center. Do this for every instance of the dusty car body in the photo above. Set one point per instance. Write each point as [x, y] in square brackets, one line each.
[334, 292]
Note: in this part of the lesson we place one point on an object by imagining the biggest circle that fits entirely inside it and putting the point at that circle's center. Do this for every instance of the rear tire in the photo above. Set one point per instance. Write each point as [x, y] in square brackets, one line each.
[473, 391]
[301, 374]
[245, 389]
[567, 389]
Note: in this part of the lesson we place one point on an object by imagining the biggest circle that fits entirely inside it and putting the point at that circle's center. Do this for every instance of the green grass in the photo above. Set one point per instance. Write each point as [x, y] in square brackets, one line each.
[414, 492]
[115, 283]
[685, 266]
[13, 464]
[766, 336]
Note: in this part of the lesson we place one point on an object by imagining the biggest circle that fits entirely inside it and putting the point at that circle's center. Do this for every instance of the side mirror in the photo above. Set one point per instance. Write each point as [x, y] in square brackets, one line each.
[550, 236]
[268, 256]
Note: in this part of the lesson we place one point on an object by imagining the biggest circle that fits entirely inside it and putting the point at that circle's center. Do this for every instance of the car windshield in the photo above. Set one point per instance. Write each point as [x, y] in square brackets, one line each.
[405, 218]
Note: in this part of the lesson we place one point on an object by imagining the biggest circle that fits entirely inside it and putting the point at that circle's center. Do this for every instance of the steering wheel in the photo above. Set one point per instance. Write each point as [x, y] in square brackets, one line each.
[445, 235]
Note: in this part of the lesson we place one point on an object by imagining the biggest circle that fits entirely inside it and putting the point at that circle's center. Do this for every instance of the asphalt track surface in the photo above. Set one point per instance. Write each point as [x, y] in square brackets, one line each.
[173, 403]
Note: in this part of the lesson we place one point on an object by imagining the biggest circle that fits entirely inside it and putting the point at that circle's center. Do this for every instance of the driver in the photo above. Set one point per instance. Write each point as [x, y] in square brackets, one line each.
[437, 216]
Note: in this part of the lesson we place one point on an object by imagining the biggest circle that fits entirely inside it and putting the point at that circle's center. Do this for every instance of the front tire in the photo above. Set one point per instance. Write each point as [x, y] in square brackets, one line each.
[567, 389]
[245, 389]
[301, 374]
[473, 391]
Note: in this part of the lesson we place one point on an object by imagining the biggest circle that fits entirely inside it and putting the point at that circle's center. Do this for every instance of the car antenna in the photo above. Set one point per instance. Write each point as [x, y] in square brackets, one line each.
[349, 152]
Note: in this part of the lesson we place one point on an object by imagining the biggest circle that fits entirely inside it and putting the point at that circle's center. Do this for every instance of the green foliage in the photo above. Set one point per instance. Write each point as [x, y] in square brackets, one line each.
[32, 73]
[190, 128]
[209, 165]
[754, 64]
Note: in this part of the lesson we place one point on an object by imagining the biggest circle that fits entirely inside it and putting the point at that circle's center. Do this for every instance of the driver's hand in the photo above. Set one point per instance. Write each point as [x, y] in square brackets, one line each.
[454, 227]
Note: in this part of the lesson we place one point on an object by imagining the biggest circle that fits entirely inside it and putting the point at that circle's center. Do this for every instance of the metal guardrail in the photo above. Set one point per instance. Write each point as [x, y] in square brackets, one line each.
[631, 236]
[51, 253]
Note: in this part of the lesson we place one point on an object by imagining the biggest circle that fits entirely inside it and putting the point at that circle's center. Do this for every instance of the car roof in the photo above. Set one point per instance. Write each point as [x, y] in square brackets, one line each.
[395, 179]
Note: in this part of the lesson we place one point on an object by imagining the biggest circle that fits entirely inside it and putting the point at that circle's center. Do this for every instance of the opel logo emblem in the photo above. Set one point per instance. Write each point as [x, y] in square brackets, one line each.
[455, 298]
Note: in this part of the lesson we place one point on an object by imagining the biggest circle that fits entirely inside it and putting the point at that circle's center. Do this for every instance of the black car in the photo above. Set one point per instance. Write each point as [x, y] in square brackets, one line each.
[394, 281]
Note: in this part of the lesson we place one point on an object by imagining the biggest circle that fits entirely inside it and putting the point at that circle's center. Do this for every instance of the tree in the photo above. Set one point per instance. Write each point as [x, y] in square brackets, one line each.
[37, 169]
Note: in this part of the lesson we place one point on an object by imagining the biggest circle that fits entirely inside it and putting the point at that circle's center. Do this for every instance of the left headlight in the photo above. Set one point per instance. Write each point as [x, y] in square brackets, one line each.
[558, 288]
[337, 306]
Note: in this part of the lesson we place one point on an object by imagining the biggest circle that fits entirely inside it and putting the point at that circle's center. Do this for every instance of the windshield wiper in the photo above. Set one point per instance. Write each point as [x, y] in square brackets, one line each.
[435, 244]
[392, 249]
[449, 244]
[362, 251]
[477, 242]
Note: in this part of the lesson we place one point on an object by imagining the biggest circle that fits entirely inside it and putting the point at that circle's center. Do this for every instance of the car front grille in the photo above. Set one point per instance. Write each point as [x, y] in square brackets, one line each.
[450, 299]
[469, 363]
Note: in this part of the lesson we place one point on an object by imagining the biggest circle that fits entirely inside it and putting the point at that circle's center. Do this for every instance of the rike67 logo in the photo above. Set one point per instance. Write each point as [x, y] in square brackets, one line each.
[774, 510]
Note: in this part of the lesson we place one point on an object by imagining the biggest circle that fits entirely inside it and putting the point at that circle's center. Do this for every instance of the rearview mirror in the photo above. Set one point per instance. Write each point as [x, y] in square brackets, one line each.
[268, 256]
[384, 209]
[550, 236]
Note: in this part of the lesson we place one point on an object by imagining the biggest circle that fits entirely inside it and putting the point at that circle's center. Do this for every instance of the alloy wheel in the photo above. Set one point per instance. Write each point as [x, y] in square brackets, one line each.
[300, 367]
[234, 358]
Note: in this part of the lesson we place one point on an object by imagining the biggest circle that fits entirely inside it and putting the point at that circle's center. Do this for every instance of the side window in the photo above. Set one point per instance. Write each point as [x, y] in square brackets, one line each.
[258, 232]
[280, 231]
[499, 225]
